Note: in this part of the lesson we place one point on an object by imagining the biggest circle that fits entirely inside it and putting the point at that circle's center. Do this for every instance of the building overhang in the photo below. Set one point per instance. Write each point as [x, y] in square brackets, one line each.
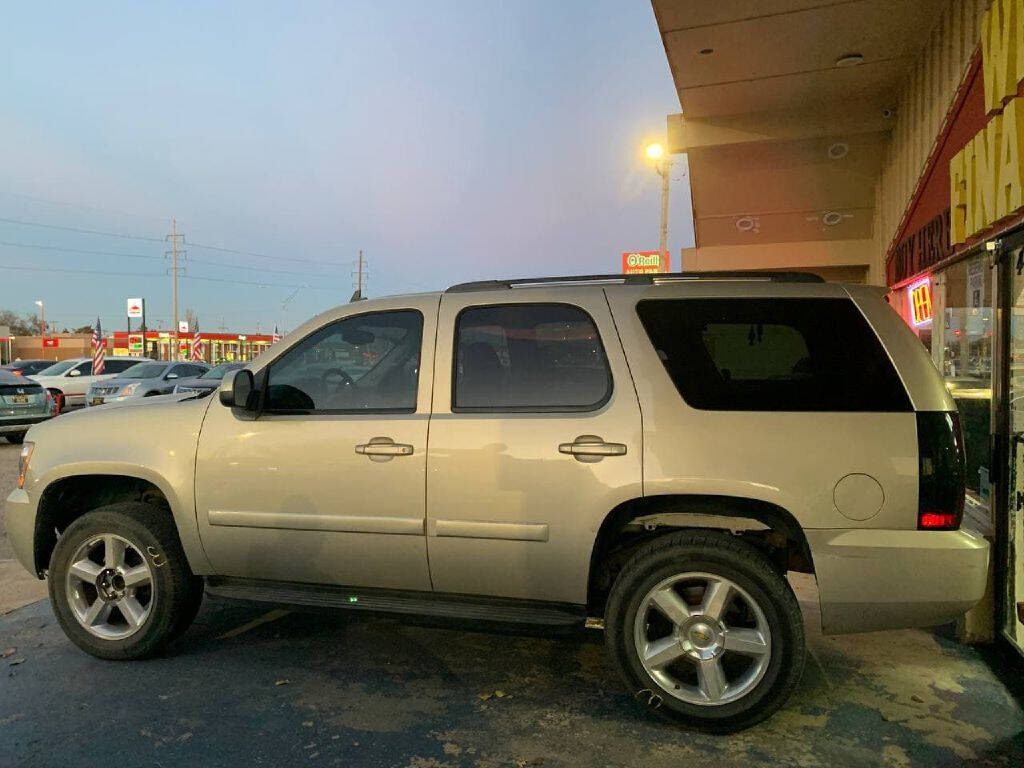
[785, 144]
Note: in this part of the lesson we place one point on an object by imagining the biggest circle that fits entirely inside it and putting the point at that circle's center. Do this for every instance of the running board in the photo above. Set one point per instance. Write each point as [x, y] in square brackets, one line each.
[464, 607]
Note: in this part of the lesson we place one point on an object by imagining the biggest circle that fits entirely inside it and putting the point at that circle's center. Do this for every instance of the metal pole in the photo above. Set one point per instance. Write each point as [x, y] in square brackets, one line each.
[666, 166]
[174, 278]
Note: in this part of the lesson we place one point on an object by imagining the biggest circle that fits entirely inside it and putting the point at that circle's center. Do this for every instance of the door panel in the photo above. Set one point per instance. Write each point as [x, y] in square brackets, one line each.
[508, 513]
[286, 496]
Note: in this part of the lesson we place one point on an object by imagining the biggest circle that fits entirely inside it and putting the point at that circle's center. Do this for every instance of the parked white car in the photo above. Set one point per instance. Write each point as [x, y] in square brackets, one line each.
[69, 380]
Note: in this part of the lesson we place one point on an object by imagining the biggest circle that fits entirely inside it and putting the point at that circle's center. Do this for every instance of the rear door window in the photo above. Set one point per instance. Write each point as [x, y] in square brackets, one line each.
[529, 357]
[773, 355]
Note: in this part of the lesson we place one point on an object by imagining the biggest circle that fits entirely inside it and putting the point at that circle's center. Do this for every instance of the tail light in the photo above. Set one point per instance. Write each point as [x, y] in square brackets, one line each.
[18, 373]
[941, 487]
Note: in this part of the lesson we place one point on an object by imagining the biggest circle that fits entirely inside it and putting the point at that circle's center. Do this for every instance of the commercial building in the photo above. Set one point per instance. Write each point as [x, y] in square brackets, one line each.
[55, 346]
[217, 347]
[881, 142]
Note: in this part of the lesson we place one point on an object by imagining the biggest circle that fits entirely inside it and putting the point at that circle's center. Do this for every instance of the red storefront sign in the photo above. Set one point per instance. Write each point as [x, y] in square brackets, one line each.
[923, 237]
[51, 341]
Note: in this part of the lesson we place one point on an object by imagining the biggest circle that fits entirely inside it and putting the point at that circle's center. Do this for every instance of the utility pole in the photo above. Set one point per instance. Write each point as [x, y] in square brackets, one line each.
[360, 277]
[173, 237]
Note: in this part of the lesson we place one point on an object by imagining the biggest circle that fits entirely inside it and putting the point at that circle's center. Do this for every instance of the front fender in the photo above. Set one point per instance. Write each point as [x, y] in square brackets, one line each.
[155, 442]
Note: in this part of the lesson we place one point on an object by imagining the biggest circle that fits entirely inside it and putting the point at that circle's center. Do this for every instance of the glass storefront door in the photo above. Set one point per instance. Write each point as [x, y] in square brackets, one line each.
[1012, 524]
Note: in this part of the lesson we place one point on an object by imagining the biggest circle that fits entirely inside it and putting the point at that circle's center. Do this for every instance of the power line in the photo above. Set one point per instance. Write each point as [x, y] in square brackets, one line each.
[258, 255]
[43, 225]
[24, 223]
[159, 275]
[37, 246]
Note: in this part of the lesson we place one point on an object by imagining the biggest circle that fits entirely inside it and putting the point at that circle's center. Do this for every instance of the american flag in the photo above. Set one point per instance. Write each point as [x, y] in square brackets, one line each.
[276, 337]
[99, 349]
[197, 346]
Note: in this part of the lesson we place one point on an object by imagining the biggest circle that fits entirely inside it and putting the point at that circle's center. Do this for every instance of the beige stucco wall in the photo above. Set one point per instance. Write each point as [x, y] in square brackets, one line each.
[837, 260]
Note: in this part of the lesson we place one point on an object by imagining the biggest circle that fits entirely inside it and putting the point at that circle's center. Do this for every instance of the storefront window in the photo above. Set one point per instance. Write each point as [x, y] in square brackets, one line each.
[963, 353]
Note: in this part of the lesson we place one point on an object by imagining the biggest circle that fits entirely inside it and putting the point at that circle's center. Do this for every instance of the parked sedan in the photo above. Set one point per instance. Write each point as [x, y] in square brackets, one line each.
[26, 367]
[209, 381]
[69, 380]
[143, 380]
[22, 404]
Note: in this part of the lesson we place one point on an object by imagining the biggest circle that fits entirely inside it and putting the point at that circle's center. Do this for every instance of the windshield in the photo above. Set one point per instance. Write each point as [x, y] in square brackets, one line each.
[218, 372]
[58, 368]
[144, 371]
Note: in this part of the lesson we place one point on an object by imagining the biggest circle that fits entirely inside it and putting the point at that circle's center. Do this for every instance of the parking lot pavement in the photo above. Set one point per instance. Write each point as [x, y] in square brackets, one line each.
[251, 685]
[17, 587]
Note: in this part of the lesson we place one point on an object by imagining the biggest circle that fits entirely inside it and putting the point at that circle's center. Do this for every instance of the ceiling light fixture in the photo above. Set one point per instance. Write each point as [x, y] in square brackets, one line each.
[850, 60]
[831, 218]
[838, 151]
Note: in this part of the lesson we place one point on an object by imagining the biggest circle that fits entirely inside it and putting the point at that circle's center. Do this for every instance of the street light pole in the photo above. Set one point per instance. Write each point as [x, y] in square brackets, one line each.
[42, 319]
[664, 168]
[663, 165]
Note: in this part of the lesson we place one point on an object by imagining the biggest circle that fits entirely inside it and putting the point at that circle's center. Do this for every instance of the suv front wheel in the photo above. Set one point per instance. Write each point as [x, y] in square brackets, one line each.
[119, 582]
[705, 631]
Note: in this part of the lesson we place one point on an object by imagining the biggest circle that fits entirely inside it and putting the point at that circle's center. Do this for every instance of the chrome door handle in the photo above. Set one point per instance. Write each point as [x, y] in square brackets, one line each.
[591, 448]
[383, 448]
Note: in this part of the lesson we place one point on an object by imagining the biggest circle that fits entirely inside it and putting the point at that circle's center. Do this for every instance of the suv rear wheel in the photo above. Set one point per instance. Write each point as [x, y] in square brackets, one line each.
[705, 631]
[119, 582]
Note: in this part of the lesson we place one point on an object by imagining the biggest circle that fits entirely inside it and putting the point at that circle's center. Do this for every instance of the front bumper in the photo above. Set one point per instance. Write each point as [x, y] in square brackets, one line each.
[870, 579]
[12, 424]
[20, 521]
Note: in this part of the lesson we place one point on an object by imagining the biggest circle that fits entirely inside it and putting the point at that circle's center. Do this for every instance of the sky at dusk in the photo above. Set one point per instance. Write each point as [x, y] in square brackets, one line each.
[450, 141]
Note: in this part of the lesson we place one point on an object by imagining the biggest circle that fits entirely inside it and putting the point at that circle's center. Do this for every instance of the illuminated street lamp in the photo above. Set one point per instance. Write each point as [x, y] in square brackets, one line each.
[42, 321]
[662, 164]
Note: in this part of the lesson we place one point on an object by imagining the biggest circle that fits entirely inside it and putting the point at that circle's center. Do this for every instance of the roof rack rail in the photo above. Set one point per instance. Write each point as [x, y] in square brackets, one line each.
[648, 279]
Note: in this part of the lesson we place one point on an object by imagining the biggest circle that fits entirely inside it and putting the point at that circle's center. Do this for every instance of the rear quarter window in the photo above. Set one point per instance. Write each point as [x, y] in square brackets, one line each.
[773, 355]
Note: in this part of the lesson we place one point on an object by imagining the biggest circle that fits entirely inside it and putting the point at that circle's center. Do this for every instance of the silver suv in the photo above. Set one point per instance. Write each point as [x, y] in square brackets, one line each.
[654, 453]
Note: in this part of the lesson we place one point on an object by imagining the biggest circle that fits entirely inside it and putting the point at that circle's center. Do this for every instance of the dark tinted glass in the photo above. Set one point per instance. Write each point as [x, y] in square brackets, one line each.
[773, 355]
[529, 357]
[112, 365]
[365, 363]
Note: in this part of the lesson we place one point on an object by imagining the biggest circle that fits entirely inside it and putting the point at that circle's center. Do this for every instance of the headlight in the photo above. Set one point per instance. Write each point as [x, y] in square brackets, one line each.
[26, 455]
[130, 388]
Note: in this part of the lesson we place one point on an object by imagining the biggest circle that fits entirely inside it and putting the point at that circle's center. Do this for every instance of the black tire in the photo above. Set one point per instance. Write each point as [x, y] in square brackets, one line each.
[17, 437]
[722, 555]
[175, 593]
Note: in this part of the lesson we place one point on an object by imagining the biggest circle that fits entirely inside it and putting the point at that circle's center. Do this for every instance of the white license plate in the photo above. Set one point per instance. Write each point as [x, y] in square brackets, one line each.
[19, 398]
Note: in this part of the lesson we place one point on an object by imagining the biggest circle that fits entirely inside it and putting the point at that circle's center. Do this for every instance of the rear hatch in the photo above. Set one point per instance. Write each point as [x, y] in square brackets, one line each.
[27, 399]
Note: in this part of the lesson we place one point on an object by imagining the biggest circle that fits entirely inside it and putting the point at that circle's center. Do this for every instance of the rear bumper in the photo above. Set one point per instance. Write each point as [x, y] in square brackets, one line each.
[12, 424]
[870, 579]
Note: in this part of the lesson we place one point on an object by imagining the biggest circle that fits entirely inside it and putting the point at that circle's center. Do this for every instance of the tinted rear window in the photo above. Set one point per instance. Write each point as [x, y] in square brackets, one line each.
[772, 355]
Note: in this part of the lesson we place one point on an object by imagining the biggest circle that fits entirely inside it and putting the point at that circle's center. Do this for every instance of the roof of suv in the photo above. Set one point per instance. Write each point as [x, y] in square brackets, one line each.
[648, 279]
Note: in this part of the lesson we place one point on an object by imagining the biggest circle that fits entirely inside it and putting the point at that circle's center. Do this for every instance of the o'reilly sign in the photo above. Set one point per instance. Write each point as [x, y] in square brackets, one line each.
[644, 262]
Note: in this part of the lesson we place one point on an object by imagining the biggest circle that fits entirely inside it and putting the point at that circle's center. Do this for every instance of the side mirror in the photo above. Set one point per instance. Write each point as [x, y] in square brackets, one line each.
[237, 389]
[170, 376]
[74, 372]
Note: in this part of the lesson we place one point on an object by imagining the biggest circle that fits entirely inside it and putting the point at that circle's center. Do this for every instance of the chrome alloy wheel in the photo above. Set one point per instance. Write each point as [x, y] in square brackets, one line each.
[702, 638]
[110, 587]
